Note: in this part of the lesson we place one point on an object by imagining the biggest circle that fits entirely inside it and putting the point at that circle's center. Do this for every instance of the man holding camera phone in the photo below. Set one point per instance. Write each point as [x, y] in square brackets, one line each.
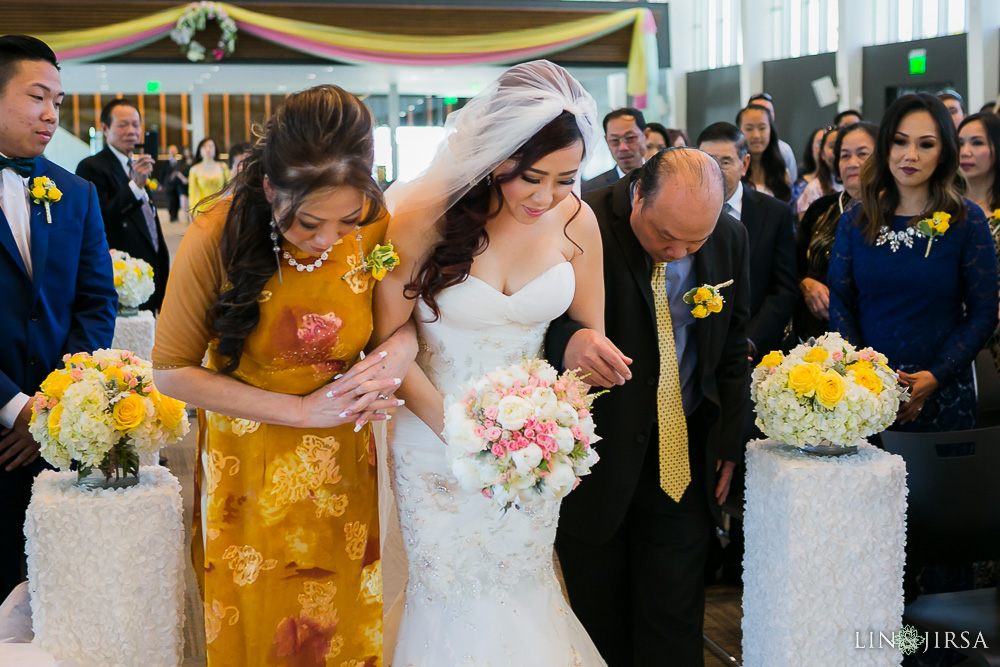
[120, 173]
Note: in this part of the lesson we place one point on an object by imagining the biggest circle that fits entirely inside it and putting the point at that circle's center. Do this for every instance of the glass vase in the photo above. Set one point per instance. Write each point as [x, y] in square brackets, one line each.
[127, 311]
[118, 469]
[828, 449]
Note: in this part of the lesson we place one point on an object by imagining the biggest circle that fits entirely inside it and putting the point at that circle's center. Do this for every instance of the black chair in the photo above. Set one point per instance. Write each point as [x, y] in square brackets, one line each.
[953, 516]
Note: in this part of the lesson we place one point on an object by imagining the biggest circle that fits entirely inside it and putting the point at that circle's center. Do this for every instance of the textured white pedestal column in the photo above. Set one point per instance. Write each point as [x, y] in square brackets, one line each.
[823, 567]
[106, 570]
[137, 333]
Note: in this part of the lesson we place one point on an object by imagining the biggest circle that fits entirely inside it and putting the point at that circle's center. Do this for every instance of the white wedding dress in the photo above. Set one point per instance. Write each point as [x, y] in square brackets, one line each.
[482, 588]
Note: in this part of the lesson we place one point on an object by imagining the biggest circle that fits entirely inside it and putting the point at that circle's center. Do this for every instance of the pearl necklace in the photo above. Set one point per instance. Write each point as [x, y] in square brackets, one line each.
[306, 267]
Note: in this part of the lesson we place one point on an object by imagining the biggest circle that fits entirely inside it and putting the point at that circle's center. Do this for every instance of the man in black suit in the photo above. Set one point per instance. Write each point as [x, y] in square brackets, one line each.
[632, 555]
[120, 177]
[624, 131]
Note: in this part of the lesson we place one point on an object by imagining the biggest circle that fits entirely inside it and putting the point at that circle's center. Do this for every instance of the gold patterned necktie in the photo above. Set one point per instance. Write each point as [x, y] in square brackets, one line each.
[675, 472]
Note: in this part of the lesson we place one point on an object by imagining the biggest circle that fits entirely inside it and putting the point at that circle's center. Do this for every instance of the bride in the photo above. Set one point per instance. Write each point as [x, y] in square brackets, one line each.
[493, 245]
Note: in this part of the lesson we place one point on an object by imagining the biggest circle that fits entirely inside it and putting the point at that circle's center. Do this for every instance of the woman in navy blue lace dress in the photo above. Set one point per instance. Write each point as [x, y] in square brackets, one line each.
[928, 304]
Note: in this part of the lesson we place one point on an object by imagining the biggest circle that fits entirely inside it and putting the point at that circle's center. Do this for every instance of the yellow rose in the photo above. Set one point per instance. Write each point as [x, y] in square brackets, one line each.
[56, 383]
[771, 359]
[855, 365]
[816, 354]
[79, 358]
[699, 311]
[379, 273]
[119, 281]
[37, 192]
[54, 194]
[714, 304]
[55, 415]
[804, 378]
[941, 216]
[702, 294]
[996, 213]
[129, 412]
[830, 389]
[869, 380]
[116, 374]
[169, 410]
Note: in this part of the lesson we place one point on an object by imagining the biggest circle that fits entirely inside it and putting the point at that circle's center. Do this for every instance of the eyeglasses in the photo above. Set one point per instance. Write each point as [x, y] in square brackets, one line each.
[629, 139]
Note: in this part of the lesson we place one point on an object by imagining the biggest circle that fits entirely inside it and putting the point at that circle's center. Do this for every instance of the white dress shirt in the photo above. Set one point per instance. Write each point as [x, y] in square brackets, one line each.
[139, 193]
[736, 201]
[14, 202]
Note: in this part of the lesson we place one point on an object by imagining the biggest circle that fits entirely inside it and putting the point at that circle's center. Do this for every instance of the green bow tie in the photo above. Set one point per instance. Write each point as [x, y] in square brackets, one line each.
[22, 166]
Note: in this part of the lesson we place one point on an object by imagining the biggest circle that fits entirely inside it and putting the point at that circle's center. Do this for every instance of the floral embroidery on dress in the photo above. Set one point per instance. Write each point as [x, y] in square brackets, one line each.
[215, 463]
[316, 327]
[317, 603]
[371, 583]
[330, 505]
[360, 281]
[247, 563]
[243, 427]
[356, 534]
[336, 646]
[215, 614]
[300, 475]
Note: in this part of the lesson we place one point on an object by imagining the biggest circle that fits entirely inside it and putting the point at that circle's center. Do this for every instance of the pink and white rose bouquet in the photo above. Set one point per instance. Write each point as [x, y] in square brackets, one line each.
[522, 435]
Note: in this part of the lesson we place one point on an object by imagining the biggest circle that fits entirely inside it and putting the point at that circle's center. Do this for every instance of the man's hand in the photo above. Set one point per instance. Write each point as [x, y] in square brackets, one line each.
[597, 358]
[142, 167]
[817, 296]
[725, 470]
[17, 447]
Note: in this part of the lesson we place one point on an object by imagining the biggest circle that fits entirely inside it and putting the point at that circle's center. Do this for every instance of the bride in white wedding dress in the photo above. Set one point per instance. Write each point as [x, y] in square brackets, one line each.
[494, 245]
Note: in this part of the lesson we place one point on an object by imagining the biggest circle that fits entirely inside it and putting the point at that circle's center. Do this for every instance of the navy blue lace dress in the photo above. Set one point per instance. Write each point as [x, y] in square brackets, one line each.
[933, 314]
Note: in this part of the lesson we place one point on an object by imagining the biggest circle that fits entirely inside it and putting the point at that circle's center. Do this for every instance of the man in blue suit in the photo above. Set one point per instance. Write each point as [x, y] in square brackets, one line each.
[56, 278]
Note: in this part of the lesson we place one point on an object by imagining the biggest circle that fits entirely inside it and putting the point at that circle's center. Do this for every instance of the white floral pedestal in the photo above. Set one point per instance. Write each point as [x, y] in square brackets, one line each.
[137, 333]
[106, 570]
[823, 566]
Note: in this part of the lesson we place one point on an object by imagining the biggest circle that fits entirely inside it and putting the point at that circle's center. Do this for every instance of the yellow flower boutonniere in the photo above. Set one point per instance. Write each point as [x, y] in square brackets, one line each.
[706, 299]
[380, 261]
[44, 191]
[934, 227]
[152, 184]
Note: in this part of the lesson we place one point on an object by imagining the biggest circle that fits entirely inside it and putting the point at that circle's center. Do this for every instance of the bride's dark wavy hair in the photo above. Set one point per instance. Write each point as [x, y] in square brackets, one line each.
[319, 139]
[463, 226]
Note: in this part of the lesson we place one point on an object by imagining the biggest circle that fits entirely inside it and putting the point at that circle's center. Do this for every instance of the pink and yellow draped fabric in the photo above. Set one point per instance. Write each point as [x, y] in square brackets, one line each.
[358, 46]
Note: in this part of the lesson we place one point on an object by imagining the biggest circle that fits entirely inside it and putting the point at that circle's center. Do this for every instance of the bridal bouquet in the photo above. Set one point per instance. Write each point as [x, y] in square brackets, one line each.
[133, 279]
[102, 410]
[522, 434]
[825, 389]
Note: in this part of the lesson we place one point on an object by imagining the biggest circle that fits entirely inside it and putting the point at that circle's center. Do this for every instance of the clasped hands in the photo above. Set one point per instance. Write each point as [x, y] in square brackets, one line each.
[17, 447]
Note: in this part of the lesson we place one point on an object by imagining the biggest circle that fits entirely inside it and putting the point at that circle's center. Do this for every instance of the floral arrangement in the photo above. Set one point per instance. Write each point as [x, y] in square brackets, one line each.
[994, 222]
[44, 191]
[102, 411]
[522, 434]
[706, 299]
[934, 227]
[133, 279]
[195, 17]
[825, 389]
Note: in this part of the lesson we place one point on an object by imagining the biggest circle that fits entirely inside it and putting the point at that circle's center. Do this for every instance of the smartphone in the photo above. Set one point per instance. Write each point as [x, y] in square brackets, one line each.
[151, 145]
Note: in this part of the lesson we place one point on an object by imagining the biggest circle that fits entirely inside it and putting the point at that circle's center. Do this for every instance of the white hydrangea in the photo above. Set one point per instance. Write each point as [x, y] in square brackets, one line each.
[133, 279]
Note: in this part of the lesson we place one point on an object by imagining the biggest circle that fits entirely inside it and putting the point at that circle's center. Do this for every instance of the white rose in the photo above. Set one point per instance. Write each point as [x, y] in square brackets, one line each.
[566, 415]
[454, 413]
[544, 400]
[587, 426]
[463, 437]
[518, 374]
[545, 373]
[527, 459]
[565, 440]
[514, 411]
[559, 482]
[467, 474]
[489, 398]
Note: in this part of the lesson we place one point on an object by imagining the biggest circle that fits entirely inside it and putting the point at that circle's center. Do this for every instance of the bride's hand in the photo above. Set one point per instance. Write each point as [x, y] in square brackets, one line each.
[324, 408]
[597, 357]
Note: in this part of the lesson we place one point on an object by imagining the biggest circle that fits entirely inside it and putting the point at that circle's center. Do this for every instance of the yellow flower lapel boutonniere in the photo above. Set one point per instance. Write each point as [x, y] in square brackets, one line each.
[934, 227]
[44, 191]
[706, 299]
[152, 184]
[994, 222]
[380, 261]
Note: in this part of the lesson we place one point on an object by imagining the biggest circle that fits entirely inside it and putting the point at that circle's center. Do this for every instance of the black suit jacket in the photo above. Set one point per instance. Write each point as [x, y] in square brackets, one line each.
[626, 416]
[609, 177]
[773, 280]
[124, 223]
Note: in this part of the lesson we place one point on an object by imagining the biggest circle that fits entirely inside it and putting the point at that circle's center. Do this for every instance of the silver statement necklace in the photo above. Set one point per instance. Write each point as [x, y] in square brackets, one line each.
[292, 262]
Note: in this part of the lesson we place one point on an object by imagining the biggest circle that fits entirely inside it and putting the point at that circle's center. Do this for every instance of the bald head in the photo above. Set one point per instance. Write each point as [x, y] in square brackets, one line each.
[677, 202]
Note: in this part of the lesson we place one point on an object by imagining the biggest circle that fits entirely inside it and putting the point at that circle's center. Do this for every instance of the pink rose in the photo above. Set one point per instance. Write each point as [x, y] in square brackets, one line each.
[490, 423]
[497, 450]
[772, 370]
[577, 433]
[529, 433]
[76, 374]
[492, 412]
[576, 483]
[546, 454]
[583, 413]
[493, 433]
[585, 441]
[837, 355]
[487, 492]
[525, 392]
[480, 430]
[522, 442]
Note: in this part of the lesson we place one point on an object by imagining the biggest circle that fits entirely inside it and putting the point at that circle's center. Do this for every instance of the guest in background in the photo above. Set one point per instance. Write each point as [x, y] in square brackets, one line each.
[814, 239]
[624, 131]
[657, 138]
[989, 107]
[928, 304]
[170, 183]
[677, 138]
[826, 182]
[237, 154]
[182, 181]
[848, 117]
[768, 172]
[810, 162]
[953, 102]
[58, 290]
[207, 175]
[764, 100]
[286, 488]
[120, 178]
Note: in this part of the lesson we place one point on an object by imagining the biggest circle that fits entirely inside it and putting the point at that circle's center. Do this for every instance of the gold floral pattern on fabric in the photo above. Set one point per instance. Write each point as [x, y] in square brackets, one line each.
[215, 614]
[371, 583]
[317, 603]
[215, 465]
[361, 281]
[328, 505]
[300, 475]
[356, 533]
[243, 427]
[336, 646]
[247, 563]
[213, 533]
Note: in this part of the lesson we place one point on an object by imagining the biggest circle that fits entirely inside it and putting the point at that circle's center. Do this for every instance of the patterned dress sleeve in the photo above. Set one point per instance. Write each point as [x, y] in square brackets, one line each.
[182, 331]
[840, 280]
[981, 296]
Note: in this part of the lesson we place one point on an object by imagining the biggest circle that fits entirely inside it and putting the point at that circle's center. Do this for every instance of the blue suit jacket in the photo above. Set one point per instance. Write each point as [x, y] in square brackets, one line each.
[70, 304]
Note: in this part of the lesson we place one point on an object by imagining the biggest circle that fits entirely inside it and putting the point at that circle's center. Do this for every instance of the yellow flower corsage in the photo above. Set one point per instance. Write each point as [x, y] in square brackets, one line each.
[44, 191]
[152, 183]
[380, 261]
[706, 299]
[934, 227]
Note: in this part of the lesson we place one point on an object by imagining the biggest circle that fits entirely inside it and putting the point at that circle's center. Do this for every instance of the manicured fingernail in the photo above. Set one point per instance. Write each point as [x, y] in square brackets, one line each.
[383, 354]
[362, 354]
[344, 414]
[388, 417]
[397, 381]
[357, 427]
[329, 394]
[338, 376]
[400, 402]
